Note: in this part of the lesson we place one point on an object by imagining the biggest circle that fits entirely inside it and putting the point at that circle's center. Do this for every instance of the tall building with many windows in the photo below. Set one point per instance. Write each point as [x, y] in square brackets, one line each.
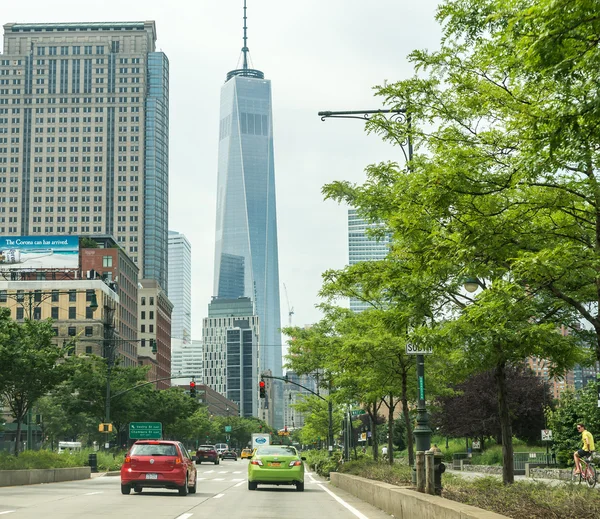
[246, 255]
[363, 247]
[180, 286]
[84, 113]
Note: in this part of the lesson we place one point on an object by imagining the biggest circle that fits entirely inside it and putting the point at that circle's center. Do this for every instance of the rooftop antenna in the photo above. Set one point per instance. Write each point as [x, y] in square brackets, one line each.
[245, 47]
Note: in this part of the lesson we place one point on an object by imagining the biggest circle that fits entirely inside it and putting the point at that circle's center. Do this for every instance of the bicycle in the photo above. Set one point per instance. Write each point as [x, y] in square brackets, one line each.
[588, 472]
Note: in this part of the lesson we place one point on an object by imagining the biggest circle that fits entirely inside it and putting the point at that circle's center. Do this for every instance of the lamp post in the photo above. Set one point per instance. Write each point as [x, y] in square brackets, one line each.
[422, 430]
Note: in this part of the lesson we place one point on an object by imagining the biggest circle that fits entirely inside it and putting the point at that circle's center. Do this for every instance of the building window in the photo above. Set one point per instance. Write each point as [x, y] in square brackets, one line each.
[72, 312]
[3, 296]
[151, 328]
[89, 331]
[88, 349]
[20, 296]
[55, 330]
[151, 301]
[89, 313]
[143, 314]
[143, 343]
[72, 331]
[107, 261]
[143, 329]
[152, 315]
[20, 313]
[72, 296]
[54, 312]
[143, 301]
[55, 296]
[37, 313]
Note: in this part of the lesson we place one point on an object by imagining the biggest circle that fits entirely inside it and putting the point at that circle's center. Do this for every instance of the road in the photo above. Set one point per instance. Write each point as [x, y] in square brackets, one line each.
[222, 494]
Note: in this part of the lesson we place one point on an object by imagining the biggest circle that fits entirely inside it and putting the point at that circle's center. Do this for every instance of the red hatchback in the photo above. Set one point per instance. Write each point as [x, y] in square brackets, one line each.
[158, 464]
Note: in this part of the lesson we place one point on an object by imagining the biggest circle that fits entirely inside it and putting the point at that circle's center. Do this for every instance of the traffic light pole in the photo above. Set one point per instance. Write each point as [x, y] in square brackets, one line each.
[328, 400]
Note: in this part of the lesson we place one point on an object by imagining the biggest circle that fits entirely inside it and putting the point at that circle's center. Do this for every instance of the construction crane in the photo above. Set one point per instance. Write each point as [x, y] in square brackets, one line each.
[290, 309]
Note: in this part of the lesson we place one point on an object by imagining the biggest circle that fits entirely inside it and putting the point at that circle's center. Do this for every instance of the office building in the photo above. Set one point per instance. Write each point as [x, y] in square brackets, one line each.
[84, 135]
[154, 348]
[180, 285]
[186, 361]
[246, 255]
[363, 246]
[231, 337]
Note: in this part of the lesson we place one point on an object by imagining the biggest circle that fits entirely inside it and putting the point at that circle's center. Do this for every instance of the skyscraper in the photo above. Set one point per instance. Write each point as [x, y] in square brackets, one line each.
[84, 135]
[363, 247]
[180, 285]
[246, 258]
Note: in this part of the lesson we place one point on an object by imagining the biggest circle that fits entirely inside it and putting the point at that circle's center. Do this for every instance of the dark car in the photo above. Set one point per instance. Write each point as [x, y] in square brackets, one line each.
[158, 464]
[229, 455]
[207, 453]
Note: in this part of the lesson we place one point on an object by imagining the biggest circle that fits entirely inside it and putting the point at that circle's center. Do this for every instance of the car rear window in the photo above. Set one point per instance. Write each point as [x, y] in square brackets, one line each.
[161, 449]
[206, 448]
[273, 451]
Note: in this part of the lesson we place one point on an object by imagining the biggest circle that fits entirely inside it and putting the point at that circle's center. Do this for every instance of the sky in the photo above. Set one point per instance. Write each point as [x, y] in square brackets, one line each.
[319, 55]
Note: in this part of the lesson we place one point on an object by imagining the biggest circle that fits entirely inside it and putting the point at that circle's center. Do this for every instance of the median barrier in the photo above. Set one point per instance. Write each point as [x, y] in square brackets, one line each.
[405, 502]
[9, 478]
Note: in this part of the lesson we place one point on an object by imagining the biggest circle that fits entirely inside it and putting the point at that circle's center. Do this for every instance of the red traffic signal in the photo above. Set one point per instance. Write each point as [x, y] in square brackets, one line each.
[261, 387]
[192, 384]
[193, 389]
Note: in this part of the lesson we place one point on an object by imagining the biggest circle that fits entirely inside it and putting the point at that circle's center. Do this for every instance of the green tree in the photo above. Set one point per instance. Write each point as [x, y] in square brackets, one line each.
[502, 188]
[29, 365]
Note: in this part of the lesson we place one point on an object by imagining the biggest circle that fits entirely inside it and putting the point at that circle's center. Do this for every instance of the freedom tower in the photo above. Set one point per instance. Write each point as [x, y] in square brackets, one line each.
[246, 259]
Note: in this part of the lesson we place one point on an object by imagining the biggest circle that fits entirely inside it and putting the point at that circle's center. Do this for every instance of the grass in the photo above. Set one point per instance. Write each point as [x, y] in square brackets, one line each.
[52, 460]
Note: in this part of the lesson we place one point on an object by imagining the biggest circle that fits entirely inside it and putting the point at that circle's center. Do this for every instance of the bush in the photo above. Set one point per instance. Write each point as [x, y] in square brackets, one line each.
[52, 460]
[397, 474]
[321, 462]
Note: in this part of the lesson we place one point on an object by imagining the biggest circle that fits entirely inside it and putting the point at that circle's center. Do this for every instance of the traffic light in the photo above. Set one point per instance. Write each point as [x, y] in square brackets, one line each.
[153, 345]
[193, 389]
[261, 387]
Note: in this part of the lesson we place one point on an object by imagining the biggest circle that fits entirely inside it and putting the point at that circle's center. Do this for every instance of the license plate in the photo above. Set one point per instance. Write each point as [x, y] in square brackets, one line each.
[151, 476]
[275, 464]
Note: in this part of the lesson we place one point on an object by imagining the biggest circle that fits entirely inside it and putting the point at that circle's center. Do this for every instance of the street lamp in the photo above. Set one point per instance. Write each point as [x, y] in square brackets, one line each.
[422, 430]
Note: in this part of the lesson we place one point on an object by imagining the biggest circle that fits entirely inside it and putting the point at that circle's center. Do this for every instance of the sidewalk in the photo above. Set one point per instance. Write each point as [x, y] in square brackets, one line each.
[475, 475]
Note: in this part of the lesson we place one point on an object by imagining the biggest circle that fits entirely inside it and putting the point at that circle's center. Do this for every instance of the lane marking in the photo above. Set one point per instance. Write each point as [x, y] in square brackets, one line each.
[218, 496]
[7, 512]
[240, 483]
[343, 503]
[209, 472]
[238, 479]
[184, 516]
[223, 471]
[199, 479]
[218, 479]
[237, 471]
[93, 493]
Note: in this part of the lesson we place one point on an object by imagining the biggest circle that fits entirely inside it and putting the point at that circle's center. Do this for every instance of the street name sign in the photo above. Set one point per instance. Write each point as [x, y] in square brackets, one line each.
[145, 430]
[356, 412]
[412, 349]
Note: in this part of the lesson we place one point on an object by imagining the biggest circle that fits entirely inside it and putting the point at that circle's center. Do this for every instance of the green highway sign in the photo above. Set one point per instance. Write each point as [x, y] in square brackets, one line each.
[228, 428]
[145, 430]
[356, 412]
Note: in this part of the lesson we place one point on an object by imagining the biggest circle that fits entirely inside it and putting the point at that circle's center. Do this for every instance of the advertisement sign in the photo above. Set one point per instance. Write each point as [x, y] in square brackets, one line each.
[39, 252]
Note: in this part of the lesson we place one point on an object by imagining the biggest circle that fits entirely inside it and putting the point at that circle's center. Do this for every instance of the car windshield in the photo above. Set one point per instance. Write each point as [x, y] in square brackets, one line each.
[276, 451]
[206, 448]
[148, 449]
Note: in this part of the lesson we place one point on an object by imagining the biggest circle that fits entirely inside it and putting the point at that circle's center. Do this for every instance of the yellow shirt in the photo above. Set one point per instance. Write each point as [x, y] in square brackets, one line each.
[587, 435]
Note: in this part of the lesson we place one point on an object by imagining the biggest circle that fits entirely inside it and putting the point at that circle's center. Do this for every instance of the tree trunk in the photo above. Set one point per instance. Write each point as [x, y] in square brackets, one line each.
[508, 473]
[18, 437]
[373, 416]
[406, 414]
[391, 430]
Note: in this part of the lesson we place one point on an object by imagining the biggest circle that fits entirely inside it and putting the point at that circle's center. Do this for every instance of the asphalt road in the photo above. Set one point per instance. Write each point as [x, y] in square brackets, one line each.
[222, 494]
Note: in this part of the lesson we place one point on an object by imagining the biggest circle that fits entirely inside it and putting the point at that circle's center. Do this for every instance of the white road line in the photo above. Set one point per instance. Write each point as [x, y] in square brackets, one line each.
[240, 483]
[218, 479]
[343, 503]
[7, 512]
[237, 471]
[223, 471]
[184, 516]
[218, 496]
[238, 479]
[209, 472]
[92, 493]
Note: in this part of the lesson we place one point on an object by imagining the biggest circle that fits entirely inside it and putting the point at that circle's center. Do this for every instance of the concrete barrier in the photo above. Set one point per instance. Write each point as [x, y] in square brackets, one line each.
[9, 478]
[406, 503]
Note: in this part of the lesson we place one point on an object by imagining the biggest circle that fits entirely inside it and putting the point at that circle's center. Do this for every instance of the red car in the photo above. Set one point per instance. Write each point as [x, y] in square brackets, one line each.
[158, 464]
[207, 453]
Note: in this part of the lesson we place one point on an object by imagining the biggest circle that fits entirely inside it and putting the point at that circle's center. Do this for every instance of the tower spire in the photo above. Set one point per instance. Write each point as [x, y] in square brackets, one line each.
[245, 49]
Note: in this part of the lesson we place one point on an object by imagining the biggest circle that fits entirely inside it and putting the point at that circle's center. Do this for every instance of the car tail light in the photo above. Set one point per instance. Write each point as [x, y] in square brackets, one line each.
[177, 461]
[295, 463]
[256, 462]
[127, 459]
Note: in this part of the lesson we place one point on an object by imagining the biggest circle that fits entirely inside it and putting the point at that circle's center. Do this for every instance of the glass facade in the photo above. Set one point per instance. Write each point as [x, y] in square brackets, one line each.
[156, 179]
[180, 285]
[246, 258]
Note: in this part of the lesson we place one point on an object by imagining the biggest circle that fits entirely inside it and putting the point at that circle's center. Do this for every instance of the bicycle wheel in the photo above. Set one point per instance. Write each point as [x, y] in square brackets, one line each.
[590, 476]
[576, 477]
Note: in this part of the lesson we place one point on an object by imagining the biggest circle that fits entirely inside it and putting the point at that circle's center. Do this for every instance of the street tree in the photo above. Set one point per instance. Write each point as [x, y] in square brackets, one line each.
[29, 365]
[502, 188]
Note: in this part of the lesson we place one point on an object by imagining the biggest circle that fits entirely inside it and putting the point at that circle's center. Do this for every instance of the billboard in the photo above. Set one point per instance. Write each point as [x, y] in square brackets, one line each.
[39, 252]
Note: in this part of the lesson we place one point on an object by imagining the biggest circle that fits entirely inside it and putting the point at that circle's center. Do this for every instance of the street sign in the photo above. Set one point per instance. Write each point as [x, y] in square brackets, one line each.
[476, 444]
[412, 349]
[356, 412]
[145, 430]
[228, 428]
[546, 435]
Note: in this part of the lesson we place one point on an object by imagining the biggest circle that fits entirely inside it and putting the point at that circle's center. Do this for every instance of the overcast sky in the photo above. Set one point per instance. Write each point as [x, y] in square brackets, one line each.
[319, 55]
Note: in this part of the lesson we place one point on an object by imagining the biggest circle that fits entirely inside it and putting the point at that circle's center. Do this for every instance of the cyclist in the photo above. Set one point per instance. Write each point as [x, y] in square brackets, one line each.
[588, 447]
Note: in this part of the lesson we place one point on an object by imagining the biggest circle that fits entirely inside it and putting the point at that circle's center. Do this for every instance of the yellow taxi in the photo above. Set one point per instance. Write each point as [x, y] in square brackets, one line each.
[246, 453]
